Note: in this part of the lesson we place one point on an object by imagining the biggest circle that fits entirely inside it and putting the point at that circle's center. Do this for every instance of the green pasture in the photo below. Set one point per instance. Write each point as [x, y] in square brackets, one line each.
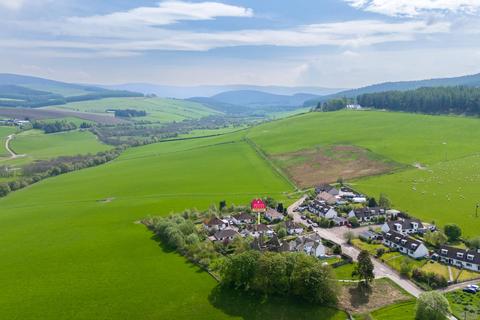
[38, 145]
[158, 109]
[402, 137]
[445, 185]
[72, 254]
[446, 192]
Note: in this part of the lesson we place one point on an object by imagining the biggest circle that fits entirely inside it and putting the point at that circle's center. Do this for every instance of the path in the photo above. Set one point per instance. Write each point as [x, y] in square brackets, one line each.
[450, 275]
[13, 155]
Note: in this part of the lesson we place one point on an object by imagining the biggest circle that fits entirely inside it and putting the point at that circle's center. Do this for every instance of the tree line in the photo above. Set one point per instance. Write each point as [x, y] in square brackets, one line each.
[128, 113]
[436, 100]
[53, 127]
[40, 170]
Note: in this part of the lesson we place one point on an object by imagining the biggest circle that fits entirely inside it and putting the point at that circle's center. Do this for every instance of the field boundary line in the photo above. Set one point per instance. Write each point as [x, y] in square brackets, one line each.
[276, 169]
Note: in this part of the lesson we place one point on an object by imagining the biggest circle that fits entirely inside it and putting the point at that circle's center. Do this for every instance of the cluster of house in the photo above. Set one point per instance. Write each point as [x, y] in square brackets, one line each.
[14, 122]
[397, 235]
[265, 238]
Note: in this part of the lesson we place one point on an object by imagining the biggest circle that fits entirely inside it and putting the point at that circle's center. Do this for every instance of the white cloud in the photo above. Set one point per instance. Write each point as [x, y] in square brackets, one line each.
[139, 39]
[165, 13]
[412, 8]
[12, 4]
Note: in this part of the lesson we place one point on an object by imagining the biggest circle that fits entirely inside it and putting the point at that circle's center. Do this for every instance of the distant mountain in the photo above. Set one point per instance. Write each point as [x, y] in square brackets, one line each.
[469, 81]
[180, 92]
[253, 102]
[26, 91]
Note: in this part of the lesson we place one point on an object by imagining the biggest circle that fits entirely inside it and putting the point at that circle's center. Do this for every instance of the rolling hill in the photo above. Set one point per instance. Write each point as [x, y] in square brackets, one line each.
[468, 80]
[183, 92]
[31, 92]
[250, 102]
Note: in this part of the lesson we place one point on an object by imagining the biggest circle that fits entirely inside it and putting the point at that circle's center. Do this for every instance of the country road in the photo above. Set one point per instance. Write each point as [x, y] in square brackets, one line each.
[381, 270]
[13, 155]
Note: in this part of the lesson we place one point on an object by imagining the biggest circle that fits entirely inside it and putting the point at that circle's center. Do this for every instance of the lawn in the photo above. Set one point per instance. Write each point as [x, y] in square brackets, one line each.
[446, 186]
[464, 305]
[399, 311]
[72, 256]
[345, 272]
[158, 109]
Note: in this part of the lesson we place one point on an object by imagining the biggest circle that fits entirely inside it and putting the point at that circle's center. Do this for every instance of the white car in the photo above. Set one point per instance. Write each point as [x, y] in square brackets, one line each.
[474, 287]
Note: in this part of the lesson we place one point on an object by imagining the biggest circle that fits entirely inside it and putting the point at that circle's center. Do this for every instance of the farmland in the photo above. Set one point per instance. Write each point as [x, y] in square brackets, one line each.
[437, 177]
[89, 255]
[39, 146]
[158, 109]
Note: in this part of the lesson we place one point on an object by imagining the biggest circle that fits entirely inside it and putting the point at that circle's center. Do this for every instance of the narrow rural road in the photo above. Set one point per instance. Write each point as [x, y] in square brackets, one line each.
[13, 155]
[381, 270]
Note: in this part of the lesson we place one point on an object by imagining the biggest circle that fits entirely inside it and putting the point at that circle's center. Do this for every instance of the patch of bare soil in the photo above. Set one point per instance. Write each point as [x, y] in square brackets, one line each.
[357, 299]
[106, 200]
[326, 164]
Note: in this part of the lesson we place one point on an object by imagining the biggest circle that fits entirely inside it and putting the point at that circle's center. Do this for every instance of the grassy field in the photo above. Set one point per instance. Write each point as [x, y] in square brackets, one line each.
[440, 156]
[158, 109]
[38, 145]
[4, 133]
[399, 311]
[71, 255]
[464, 305]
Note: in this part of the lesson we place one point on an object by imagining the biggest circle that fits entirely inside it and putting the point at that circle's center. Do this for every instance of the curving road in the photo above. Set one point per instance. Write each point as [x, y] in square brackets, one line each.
[13, 155]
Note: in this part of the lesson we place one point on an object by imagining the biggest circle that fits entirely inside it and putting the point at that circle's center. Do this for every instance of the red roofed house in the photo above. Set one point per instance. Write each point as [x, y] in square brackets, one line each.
[258, 205]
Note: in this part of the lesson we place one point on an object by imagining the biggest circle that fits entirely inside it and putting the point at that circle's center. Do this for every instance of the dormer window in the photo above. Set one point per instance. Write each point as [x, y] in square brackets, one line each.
[389, 234]
[414, 245]
[397, 239]
[444, 251]
[404, 241]
[459, 254]
[470, 256]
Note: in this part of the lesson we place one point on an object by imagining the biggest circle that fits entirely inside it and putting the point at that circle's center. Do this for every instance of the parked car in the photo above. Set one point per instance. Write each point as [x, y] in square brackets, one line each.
[469, 290]
[474, 287]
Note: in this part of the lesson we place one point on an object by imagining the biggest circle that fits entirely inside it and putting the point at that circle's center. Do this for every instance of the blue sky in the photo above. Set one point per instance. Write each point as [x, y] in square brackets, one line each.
[329, 43]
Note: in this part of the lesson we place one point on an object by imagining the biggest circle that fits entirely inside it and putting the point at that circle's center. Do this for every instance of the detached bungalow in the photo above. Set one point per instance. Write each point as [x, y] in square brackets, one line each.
[468, 259]
[293, 228]
[243, 218]
[215, 224]
[331, 214]
[406, 226]
[273, 215]
[226, 235]
[405, 244]
[327, 198]
[366, 214]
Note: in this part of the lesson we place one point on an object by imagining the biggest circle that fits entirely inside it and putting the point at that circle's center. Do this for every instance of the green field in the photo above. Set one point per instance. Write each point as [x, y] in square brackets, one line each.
[464, 305]
[445, 189]
[4, 133]
[158, 109]
[72, 255]
[37, 145]
[399, 311]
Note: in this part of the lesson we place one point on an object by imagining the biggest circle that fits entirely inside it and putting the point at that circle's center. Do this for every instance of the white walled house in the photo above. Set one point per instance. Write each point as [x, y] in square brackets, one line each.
[331, 213]
[468, 259]
[405, 244]
[406, 226]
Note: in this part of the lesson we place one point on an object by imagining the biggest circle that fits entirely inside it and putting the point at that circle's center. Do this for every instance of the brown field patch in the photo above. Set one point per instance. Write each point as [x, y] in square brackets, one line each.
[382, 292]
[326, 164]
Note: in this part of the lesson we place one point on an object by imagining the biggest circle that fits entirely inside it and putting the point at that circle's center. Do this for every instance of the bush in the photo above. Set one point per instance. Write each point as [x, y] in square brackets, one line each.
[433, 280]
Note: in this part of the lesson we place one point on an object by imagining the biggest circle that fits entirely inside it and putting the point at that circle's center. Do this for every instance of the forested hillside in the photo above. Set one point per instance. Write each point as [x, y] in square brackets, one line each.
[439, 100]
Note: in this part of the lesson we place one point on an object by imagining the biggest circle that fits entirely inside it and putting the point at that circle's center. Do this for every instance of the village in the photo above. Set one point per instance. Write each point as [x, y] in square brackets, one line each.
[334, 223]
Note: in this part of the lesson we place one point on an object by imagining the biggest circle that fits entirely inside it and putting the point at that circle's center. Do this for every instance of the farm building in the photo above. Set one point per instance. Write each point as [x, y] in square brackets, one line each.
[405, 244]
[468, 259]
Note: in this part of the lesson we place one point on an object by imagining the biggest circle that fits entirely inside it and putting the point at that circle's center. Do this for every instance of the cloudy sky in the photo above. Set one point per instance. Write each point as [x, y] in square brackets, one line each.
[330, 43]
